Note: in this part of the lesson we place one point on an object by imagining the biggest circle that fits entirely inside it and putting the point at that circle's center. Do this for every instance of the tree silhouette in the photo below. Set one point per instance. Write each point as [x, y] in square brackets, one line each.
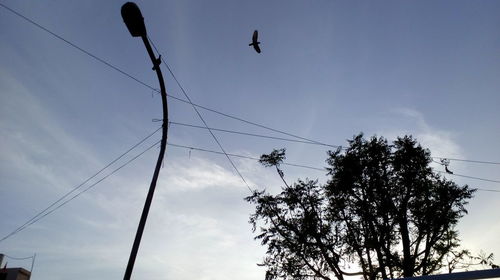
[383, 213]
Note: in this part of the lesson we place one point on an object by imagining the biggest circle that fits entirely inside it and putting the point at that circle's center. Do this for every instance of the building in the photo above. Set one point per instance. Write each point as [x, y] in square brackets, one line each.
[15, 273]
[465, 275]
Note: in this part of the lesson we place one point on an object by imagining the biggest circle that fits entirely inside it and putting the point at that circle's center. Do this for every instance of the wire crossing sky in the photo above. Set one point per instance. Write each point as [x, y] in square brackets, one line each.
[328, 70]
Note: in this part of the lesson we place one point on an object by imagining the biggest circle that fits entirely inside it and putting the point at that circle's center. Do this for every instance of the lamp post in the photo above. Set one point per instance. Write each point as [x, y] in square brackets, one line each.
[132, 17]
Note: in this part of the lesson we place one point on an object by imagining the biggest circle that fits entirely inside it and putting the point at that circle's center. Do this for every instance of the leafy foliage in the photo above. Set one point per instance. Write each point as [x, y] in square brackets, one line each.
[383, 212]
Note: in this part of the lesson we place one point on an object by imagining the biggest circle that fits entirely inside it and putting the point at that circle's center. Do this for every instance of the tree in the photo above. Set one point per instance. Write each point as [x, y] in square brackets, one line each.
[384, 213]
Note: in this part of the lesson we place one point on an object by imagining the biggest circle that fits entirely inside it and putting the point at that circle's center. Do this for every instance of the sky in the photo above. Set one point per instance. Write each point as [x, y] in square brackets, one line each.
[328, 71]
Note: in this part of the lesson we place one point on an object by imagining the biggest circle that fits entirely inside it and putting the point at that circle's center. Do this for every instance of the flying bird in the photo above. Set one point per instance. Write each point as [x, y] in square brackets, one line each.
[255, 43]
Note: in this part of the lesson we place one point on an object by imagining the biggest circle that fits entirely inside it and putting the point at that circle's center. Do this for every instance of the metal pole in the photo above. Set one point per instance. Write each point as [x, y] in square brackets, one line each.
[133, 17]
[32, 264]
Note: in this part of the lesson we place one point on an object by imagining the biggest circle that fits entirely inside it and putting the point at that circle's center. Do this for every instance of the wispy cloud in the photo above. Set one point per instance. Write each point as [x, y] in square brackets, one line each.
[441, 142]
[198, 173]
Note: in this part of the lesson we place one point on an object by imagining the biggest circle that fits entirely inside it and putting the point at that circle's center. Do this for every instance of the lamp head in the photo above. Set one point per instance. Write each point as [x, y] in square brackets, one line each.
[133, 19]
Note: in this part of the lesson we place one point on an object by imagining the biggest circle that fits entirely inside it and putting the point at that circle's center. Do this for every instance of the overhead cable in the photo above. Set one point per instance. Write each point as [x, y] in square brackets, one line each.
[241, 156]
[310, 167]
[471, 177]
[76, 46]
[252, 134]
[469, 160]
[18, 259]
[46, 211]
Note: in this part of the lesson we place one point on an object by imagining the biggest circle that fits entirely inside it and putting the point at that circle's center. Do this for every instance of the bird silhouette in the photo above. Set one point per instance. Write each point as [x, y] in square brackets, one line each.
[255, 43]
[447, 170]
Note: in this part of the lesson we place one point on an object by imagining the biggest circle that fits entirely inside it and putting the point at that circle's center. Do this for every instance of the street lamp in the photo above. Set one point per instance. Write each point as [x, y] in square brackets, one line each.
[132, 17]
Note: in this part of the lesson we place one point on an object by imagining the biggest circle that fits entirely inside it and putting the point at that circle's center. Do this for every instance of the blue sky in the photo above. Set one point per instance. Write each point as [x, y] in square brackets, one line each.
[328, 70]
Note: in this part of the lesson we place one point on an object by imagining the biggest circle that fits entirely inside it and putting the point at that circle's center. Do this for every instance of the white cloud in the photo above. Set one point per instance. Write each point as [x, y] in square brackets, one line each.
[198, 173]
[440, 142]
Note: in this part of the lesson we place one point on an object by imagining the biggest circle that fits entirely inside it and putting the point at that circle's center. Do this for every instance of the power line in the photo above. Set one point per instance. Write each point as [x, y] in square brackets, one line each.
[312, 142]
[488, 190]
[469, 160]
[90, 178]
[18, 259]
[240, 156]
[253, 123]
[44, 212]
[76, 46]
[25, 258]
[252, 134]
[191, 103]
[464, 176]
[310, 167]
[308, 142]
[200, 116]
[472, 177]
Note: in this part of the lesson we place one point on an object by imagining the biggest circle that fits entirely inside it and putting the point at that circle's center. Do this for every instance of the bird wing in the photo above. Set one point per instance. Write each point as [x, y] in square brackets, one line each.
[256, 47]
[255, 36]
